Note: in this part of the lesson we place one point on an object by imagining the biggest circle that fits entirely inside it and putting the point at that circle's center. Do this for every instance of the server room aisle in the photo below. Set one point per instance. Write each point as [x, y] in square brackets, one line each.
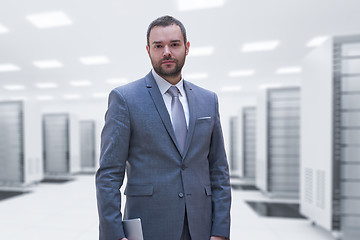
[67, 211]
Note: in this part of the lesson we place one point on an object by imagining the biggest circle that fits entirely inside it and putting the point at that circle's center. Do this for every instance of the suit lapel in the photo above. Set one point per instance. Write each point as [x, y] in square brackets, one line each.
[192, 116]
[160, 106]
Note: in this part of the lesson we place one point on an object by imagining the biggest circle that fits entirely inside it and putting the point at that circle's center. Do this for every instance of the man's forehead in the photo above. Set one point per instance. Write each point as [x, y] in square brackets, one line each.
[165, 31]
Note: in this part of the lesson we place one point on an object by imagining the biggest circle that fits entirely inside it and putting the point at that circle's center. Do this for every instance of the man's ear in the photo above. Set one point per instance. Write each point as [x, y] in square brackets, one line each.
[187, 46]
[148, 49]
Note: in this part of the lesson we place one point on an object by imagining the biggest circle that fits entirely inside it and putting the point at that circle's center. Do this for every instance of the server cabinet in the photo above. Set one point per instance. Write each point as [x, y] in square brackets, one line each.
[61, 145]
[20, 143]
[278, 144]
[233, 144]
[330, 163]
[247, 144]
[249, 140]
[87, 145]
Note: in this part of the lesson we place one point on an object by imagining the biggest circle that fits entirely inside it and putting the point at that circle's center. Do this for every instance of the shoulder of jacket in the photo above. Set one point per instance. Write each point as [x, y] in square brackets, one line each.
[200, 90]
[197, 88]
[130, 87]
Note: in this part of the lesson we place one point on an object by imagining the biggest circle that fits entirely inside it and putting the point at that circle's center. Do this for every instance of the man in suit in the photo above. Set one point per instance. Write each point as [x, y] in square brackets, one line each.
[165, 133]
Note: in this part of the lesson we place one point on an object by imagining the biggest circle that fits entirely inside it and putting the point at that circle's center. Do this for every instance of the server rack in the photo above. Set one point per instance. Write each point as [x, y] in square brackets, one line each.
[20, 143]
[331, 170]
[61, 145]
[278, 161]
[248, 144]
[87, 145]
[233, 144]
[347, 134]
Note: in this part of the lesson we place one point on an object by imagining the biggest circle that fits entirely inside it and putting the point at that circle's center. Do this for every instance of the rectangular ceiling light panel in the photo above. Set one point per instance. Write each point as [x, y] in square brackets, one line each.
[188, 5]
[94, 60]
[241, 73]
[231, 89]
[45, 98]
[14, 87]
[72, 96]
[201, 51]
[46, 85]
[8, 67]
[3, 29]
[44, 64]
[260, 46]
[117, 81]
[317, 41]
[81, 83]
[288, 70]
[49, 19]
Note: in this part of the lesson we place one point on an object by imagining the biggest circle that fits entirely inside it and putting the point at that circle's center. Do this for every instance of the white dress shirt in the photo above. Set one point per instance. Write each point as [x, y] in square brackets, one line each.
[164, 86]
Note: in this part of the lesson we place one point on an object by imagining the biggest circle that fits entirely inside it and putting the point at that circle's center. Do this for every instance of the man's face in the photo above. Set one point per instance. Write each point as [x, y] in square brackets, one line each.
[167, 50]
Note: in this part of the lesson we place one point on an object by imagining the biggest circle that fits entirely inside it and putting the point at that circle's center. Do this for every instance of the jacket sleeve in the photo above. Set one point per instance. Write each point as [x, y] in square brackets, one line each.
[220, 181]
[110, 175]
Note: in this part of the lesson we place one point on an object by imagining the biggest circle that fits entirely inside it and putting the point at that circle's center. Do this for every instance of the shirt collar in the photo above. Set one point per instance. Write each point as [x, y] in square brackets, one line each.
[165, 85]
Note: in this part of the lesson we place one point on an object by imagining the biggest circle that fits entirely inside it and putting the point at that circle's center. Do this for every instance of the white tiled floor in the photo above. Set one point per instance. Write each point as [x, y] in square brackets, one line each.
[68, 212]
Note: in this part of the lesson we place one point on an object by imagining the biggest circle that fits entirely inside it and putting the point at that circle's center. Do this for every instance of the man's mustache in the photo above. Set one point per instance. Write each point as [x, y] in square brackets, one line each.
[167, 59]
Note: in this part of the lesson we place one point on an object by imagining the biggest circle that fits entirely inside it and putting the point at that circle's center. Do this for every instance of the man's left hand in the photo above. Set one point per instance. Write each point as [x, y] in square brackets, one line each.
[217, 238]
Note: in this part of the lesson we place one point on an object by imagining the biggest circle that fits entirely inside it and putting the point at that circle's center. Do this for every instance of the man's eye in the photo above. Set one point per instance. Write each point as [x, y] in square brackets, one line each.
[175, 44]
[158, 46]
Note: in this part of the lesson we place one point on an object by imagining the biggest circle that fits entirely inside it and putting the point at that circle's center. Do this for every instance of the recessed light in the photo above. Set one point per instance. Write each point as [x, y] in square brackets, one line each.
[187, 5]
[241, 73]
[231, 89]
[94, 60]
[317, 41]
[49, 19]
[45, 98]
[288, 70]
[43, 64]
[72, 96]
[196, 76]
[46, 85]
[14, 87]
[117, 81]
[3, 29]
[201, 51]
[270, 85]
[260, 46]
[8, 67]
[81, 83]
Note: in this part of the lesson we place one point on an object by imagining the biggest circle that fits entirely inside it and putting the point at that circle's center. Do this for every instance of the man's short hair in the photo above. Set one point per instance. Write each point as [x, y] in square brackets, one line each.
[165, 21]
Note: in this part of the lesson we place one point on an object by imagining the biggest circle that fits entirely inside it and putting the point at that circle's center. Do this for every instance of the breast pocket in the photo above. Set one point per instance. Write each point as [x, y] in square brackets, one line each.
[203, 128]
[139, 190]
[204, 120]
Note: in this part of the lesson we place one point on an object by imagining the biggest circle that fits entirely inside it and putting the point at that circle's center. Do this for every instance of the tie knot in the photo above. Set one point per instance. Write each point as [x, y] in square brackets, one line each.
[173, 91]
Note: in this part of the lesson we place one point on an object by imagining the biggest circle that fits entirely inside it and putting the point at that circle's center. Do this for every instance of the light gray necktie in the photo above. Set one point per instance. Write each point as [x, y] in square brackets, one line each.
[178, 117]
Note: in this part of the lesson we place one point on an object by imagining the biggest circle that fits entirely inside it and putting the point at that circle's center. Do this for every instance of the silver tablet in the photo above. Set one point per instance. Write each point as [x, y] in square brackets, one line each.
[133, 229]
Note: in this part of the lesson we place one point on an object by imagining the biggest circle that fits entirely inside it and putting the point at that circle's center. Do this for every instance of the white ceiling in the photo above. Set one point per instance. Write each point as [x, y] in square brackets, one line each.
[117, 29]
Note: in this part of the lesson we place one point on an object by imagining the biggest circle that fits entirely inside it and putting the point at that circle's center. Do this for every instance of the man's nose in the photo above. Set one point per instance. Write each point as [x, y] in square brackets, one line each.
[166, 52]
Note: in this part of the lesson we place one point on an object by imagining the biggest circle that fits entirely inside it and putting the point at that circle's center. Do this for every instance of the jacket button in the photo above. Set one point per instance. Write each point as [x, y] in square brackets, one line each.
[183, 167]
[181, 195]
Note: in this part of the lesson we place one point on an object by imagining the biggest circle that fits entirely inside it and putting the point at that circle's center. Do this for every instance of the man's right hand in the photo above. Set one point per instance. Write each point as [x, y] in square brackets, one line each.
[124, 239]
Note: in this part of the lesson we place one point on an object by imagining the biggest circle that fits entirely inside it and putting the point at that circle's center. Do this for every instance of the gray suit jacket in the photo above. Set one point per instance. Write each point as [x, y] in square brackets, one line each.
[162, 184]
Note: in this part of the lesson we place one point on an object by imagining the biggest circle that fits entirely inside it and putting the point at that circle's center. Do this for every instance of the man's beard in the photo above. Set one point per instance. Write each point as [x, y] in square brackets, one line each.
[159, 69]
